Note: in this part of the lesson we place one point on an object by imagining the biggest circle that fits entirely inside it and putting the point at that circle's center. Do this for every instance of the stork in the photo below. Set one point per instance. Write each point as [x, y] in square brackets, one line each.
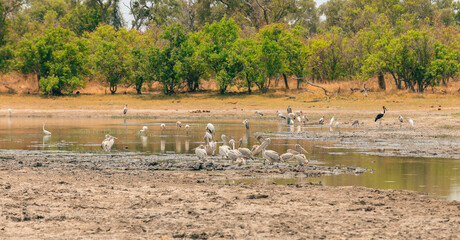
[380, 116]
[125, 110]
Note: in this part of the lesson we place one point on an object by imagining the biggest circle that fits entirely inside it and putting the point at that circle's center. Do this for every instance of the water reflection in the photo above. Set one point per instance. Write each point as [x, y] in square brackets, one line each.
[144, 140]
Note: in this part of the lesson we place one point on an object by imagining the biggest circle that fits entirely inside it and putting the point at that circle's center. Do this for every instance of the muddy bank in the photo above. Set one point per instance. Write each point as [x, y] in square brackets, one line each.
[18, 159]
[51, 203]
[433, 143]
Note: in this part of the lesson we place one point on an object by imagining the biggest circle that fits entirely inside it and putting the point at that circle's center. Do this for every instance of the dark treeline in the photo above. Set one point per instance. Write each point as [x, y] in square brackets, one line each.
[244, 43]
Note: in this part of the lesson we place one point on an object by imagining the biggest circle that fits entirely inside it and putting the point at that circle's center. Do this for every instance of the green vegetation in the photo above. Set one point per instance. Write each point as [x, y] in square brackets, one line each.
[243, 43]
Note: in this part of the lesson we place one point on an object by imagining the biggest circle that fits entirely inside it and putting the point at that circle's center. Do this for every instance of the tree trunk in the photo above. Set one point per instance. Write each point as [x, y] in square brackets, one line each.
[285, 81]
[113, 89]
[249, 83]
[381, 78]
[38, 81]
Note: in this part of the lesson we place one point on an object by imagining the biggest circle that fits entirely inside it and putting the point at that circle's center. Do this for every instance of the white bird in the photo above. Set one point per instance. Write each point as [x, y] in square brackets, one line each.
[125, 110]
[247, 154]
[269, 155]
[163, 126]
[411, 122]
[10, 111]
[321, 121]
[178, 124]
[246, 123]
[336, 124]
[332, 121]
[299, 150]
[211, 129]
[187, 128]
[201, 153]
[44, 131]
[305, 119]
[289, 109]
[108, 143]
[210, 144]
[301, 159]
[143, 130]
[260, 113]
[401, 120]
[280, 115]
[223, 150]
[299, 119]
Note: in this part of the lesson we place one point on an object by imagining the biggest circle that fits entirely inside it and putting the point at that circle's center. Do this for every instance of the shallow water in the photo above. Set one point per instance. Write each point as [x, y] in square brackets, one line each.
[437, 177]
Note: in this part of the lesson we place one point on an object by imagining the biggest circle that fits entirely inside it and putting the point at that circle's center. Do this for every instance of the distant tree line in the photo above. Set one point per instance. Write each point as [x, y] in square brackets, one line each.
[244, 43]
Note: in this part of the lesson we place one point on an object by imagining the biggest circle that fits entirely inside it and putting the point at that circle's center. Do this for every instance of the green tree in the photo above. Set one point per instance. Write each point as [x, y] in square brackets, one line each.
[82, 18]
[58, 59]
[217, 48]
[170, 58]
[111, 54]
[193, 65]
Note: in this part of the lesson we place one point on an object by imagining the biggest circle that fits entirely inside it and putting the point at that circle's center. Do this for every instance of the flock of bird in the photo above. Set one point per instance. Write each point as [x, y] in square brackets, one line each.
[232, 150]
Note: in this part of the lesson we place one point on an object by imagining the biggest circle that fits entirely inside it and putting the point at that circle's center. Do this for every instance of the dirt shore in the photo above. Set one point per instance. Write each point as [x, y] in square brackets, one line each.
[53, 203]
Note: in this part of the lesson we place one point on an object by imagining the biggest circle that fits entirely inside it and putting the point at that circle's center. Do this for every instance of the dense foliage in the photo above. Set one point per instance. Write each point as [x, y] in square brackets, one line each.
[243, 43]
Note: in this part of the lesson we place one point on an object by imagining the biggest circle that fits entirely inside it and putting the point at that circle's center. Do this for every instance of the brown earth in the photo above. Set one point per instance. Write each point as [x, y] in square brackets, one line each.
[40, 203]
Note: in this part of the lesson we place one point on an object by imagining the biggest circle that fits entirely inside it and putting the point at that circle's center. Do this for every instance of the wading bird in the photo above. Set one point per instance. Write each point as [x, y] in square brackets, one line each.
[223, 150]
[260, 113]
[280, 115]
[411, 122]
[289, 109]
[125, 110]
[401, 120]
[246, 124]
[321, 121]
[187, 128]
[332, 121]
[44, 131]
[10, 111]
[163, 126]
[305, 119]
[210, 144]
[380, 116]
[211, 129]
[143, 130]
[298, 150]
[247, 154]
[290, 121]
[178, 124]
[269, 155]
[200, 152]
[301, 159]
[355, 123]
[108, 143]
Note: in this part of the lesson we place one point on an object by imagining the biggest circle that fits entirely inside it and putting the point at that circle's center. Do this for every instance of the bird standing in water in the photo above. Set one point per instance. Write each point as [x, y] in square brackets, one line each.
[125, 110]
[246, 124]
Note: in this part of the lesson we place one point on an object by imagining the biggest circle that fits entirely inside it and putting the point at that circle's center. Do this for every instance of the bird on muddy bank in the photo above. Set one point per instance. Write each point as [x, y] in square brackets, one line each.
[289, 109]
[280, 115]
[269, 155]
[246, 124]
[45, 131]
[380, 116]
[178, 124]
[125, 110]
[298, 150]
[200, 152]
[401, 120]
[211, 129]
[245, 152]
[411, 122]
[259, 113]
[355, 123]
